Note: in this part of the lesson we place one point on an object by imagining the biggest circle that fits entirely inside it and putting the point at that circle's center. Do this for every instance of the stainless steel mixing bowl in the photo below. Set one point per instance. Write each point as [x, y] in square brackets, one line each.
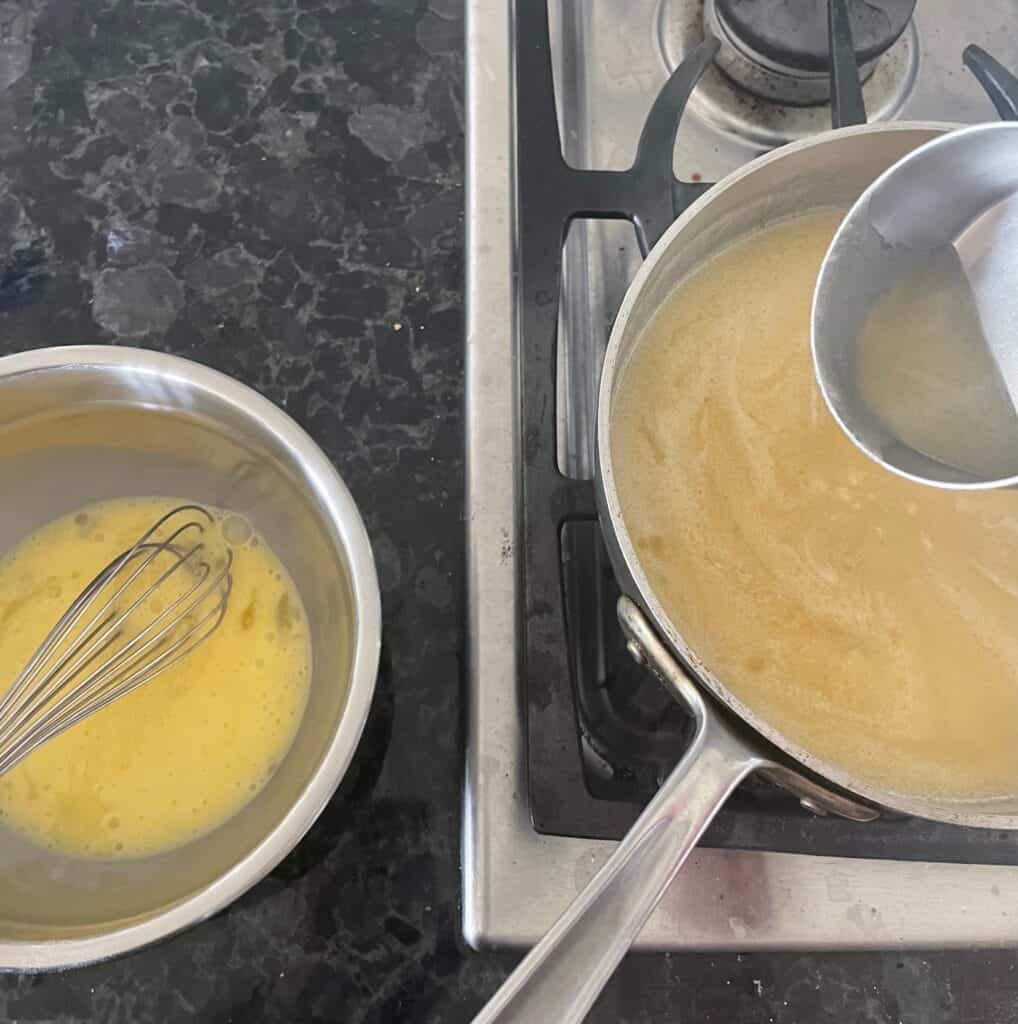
[79, 425]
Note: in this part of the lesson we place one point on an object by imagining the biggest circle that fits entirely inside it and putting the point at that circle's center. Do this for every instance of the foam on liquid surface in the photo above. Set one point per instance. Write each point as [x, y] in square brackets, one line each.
[873, 621]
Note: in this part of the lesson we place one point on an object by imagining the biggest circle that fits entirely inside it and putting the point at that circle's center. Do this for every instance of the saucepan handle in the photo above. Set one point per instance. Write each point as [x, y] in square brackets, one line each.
[562, 975]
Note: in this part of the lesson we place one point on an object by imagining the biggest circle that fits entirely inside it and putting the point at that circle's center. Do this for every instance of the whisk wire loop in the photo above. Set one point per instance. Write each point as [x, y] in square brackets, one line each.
[128, 635]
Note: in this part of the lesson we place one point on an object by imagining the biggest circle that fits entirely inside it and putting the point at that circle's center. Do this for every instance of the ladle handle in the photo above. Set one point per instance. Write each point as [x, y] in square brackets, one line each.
[561, 977]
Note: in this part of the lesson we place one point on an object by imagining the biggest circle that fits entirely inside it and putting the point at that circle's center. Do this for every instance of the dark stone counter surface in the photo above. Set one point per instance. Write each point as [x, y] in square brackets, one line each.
[274, 187]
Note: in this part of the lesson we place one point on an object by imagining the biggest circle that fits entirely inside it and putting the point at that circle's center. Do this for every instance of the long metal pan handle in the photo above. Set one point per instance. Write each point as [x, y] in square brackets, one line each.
[563, 974]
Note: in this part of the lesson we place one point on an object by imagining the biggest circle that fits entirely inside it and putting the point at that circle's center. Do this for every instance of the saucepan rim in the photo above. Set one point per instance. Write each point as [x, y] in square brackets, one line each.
[625, 559]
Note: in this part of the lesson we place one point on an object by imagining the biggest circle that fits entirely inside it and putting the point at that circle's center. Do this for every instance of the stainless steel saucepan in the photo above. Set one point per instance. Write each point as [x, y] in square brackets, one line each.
[563, 974]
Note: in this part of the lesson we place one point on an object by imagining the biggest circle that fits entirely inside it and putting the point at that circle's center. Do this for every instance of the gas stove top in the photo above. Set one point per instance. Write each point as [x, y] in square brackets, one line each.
[567, 739]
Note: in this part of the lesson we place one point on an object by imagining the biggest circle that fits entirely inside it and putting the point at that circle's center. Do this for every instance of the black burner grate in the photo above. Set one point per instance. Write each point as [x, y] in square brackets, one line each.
[601, 733]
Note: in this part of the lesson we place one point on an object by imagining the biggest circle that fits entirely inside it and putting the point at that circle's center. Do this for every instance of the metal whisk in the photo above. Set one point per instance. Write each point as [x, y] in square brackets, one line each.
[148, 609]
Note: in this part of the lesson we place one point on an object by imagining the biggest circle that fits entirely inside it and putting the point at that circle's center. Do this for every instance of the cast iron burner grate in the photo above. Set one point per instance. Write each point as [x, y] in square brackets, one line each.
[601, 733]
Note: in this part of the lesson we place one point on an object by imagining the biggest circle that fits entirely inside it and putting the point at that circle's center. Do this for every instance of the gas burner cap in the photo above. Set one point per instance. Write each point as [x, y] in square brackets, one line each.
[793, 33]
[778, 49]
[759, 115]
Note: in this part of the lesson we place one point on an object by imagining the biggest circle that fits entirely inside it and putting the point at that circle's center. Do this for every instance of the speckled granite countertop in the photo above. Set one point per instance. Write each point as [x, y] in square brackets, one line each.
[274, 187]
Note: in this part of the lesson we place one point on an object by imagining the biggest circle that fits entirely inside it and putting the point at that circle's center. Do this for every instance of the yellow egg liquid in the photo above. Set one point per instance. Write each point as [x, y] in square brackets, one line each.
[870, 620]
[186, 751]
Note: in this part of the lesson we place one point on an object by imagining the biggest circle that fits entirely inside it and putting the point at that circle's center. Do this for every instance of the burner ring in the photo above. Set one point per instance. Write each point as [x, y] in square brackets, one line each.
[762, 124]
[794, 33]
[763, 75]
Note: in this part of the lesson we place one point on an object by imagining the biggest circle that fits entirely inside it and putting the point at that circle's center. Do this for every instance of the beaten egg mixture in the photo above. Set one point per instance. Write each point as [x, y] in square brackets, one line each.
[183, 753]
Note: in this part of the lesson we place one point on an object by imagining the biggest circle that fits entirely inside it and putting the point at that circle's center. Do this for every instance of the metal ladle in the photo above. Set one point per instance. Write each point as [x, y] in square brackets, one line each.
[915, 313]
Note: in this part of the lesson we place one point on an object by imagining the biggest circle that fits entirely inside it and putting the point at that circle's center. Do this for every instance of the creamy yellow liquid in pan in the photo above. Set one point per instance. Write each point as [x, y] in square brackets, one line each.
[871, 620]
[182, 754]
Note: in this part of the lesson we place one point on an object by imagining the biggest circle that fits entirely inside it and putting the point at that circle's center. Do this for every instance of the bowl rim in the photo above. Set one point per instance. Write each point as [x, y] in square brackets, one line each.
[339, 506]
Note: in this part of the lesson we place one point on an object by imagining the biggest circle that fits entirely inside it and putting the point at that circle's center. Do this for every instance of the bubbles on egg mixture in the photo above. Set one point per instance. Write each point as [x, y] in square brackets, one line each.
[236, 530]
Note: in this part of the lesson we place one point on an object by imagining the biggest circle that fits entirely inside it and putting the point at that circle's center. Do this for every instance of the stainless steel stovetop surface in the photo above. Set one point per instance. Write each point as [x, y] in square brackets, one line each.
[613, 58]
